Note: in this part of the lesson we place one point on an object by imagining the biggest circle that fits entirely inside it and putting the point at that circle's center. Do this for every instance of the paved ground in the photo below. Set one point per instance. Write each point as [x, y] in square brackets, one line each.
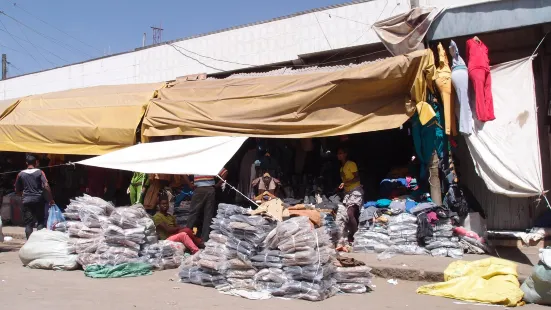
[23, 288]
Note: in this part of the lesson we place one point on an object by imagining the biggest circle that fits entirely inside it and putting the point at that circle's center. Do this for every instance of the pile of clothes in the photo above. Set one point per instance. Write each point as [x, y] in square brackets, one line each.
[251, 254]
[436, 231]
[402, 230]
[208, 267]
[372, 235]
[352, 276]
[125, 233]
[163, 255]
[307, 257]
[85, 216]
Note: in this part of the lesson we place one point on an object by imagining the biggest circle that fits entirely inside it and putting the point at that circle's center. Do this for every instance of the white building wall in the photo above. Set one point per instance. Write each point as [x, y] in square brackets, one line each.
[451, 3]
[272, 42]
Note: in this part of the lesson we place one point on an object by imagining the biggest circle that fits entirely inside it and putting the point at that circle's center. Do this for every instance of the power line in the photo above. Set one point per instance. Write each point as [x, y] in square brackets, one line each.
[58, 29]
[361, 36]
[45, 49]
[197, 60]
[323, 32]
[35, 47]
[19, 70]
[65, 45]
[13, 37]
[11, 49]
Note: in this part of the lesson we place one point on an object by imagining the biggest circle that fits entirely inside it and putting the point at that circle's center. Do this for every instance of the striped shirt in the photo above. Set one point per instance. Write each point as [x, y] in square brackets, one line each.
[206, 180]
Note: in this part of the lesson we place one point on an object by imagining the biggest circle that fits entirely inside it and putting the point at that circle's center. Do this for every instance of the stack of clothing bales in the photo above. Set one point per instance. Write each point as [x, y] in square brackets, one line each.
[372, 235]
[163, 255]
[247, 234]
[125, 233]
[307, 256]
[443, 242]
[402, 230]
[209, 265]
[86, 215]
[352, 276]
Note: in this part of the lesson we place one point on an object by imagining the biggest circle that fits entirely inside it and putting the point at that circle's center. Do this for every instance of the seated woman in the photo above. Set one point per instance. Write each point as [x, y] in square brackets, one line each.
[167, 229]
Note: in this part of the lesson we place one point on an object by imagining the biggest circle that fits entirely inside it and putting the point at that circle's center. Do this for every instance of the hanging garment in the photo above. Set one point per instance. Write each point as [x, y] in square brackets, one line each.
[429, 137]
[460, 81]
[245, 173]
[479, 73]
[444, 85]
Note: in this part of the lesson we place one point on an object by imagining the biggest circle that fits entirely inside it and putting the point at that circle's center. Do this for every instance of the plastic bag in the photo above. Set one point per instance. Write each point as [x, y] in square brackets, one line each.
[352, 288]
[55, 217]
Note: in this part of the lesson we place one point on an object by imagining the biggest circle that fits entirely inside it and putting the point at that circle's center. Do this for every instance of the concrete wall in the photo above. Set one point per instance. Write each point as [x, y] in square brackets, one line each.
[263, 43]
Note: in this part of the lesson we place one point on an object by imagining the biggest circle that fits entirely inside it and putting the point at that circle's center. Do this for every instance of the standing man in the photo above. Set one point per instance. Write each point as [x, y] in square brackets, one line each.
[31, 183]
[203, 202]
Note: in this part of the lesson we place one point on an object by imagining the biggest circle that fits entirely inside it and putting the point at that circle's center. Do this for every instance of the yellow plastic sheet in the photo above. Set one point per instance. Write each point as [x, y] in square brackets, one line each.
[490, 280]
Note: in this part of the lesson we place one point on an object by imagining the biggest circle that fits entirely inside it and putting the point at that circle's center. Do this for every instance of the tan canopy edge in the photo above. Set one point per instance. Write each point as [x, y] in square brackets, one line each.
[359, 99]
[6, 106]
[85, 121]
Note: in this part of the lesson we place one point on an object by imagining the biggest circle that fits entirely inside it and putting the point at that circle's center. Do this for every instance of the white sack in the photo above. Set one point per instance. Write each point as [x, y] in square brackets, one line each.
[205, 155]
[506, 150]
[48, 249]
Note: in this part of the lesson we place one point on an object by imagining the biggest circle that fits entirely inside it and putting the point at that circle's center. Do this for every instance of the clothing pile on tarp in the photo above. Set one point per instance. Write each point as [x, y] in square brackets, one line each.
[537, 286]
[47, 249]
[163, 255]
[352, 276]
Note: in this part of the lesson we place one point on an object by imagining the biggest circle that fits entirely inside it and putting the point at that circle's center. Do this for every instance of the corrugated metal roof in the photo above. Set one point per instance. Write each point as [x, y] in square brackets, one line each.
[295, 71]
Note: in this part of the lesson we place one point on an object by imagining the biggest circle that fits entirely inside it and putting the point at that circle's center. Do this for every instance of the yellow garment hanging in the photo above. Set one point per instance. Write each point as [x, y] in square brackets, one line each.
[444, 84]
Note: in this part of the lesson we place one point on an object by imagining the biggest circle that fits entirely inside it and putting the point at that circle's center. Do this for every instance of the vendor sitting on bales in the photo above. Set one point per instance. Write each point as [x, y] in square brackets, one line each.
[167, 229]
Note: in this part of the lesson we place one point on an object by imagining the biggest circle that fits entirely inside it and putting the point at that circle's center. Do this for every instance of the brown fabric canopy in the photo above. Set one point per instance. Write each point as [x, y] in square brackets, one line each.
[85, 121]
[359, 99]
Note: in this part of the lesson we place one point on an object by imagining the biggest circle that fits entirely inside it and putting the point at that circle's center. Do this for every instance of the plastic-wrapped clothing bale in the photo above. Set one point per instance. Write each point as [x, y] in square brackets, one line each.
[85, 232]
[269, 279]
[196, 275]
[129, 217]
[341, 220]
[355, 280]
[163, 255]
[374, 238]
[443, 243]
[303, 246]
[402, 230]
[267, 259]
[81, 245]
[182, 213]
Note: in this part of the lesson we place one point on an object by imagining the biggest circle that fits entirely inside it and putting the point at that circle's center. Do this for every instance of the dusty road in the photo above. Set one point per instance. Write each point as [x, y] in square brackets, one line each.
[23, 288]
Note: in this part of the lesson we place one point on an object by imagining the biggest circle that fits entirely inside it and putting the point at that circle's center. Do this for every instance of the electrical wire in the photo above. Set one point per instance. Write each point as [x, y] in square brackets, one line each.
[64, 45]
[16, 41]
[52, 53]
[197, 60]
[58, 29]
[11, 49]
[19, 70]
[323, 32]
[35, 47]
[54, 166]
[361, 36]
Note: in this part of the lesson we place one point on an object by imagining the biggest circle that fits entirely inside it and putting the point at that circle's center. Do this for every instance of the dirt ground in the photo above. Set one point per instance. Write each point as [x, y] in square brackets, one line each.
[23, 288]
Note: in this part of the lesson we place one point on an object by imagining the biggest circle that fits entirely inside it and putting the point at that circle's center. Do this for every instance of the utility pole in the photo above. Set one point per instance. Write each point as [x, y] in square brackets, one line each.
[157, 34]
[4, 67]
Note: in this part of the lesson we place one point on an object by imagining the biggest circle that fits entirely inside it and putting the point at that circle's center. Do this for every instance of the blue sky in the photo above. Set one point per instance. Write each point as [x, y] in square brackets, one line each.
[93, 28]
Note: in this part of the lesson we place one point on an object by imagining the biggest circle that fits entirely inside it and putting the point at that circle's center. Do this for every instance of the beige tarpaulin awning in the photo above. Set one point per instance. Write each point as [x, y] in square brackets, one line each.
[85, 121]
[360, 99]
[6, 106]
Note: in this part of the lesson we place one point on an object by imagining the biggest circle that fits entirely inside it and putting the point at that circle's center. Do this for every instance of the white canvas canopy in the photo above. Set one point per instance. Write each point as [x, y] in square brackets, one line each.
[206, 156]
[506, 151]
